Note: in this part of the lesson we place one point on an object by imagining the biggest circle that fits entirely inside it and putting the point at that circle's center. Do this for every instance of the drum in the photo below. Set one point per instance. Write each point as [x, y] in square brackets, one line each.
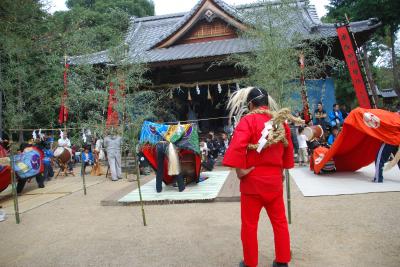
[62, 155]
[313, 132]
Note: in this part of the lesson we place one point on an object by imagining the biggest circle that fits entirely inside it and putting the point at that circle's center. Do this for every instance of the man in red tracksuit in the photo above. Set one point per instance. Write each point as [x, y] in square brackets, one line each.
[261, 180]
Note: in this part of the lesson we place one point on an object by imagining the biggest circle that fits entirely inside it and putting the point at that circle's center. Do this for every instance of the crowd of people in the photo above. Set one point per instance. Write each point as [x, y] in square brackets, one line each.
[212, 147]
[89, 154]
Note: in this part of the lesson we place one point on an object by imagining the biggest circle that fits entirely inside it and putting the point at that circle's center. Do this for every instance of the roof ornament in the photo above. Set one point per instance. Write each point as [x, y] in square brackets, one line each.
[189, 95]
[209, 15]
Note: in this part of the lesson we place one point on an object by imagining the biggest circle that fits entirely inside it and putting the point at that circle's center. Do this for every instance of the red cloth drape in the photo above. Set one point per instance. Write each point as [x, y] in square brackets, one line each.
[151, 155]
[63, 114]
[364, 131]
[112, 114]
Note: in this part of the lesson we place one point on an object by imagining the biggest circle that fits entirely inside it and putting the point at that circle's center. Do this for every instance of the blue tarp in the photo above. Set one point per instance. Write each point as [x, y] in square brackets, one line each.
[322, 90]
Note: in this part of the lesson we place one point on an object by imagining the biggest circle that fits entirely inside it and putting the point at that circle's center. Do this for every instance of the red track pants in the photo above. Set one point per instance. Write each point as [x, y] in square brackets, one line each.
[251, 206]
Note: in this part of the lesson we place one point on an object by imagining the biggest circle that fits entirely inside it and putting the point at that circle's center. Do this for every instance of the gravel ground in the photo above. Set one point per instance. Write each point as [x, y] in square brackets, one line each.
[354, 230]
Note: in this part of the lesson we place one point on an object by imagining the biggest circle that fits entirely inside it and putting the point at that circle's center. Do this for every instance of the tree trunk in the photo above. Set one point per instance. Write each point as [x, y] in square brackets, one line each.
[369, 76]
[396, 85]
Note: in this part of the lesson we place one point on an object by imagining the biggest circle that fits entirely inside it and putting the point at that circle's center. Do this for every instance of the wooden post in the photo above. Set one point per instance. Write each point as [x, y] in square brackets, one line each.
[13, 183]
[289, 200]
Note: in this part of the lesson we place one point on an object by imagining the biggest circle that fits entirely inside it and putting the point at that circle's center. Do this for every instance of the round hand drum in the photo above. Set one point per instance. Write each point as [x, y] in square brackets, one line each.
[62, 155]
[313, 132]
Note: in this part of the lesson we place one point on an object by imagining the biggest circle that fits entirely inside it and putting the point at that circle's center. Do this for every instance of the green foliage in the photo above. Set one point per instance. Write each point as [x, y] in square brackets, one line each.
[32, 46]
[92, 26]
[28, 69]
[275, 63]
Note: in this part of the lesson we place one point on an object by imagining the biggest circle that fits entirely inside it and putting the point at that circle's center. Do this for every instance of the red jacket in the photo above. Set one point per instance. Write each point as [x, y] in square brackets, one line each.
[269, 164]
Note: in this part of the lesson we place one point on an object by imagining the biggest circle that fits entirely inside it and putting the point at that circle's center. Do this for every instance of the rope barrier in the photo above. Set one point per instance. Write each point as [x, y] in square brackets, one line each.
[170, 122]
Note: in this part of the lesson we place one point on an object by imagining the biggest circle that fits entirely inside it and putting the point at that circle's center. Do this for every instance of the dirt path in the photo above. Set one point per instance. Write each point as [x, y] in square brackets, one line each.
[359, 230]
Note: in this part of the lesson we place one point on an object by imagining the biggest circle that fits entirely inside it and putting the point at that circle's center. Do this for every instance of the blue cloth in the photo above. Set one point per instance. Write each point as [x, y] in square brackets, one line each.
[322, 90]
[335, 115]
[89, 157]
[27, 164]
[48, 154]
[331, 139]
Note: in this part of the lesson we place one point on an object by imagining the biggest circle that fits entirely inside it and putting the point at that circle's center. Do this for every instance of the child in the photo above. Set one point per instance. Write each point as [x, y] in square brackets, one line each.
[87, 158]
[302, 140]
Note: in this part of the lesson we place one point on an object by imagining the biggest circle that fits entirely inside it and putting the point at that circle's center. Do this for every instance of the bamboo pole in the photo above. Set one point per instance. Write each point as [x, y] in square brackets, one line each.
[289, 199]
[13, 184]
[139, 188]
[83, 173]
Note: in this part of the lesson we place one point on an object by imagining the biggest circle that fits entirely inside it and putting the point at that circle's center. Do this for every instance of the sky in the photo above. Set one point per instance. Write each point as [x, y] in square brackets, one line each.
[176, 6]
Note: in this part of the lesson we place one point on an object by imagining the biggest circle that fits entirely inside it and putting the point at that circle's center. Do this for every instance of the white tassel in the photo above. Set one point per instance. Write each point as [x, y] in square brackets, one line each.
[272, 105]
[219, 89]
[83, 136]
[61, 134]
[209, 94]
[41, 136]
[171, 95]
[237, 104]
[237, 86]
[198, 89]
[34, 136]
[173, 161]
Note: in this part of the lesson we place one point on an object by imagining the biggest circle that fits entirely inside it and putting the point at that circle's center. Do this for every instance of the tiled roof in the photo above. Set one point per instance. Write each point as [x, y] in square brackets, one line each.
[199, 50]
[385, 93]
[145, 33]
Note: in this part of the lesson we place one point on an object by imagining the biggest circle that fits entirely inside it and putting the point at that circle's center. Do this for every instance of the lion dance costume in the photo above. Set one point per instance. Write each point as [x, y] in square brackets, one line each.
[261, 140]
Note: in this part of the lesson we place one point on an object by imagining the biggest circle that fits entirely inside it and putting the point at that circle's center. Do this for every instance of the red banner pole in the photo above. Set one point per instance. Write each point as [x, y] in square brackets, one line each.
[353, 66]
[304, 98]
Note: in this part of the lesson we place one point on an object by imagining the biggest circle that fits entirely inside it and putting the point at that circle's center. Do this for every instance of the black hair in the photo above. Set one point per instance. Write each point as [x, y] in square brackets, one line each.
[320, 103]
[334, 105]
[335, 128]
[258, 96]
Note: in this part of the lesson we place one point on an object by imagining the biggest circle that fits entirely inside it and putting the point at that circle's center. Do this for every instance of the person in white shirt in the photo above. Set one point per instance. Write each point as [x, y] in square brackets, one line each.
[66, 143]
[302, 140]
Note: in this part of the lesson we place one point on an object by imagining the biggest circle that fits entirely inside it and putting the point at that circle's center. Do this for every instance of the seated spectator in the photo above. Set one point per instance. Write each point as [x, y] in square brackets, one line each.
[333, 135]
[320, 116]
[87, 158]
[213, 145]
[223, 144]
[335, 116]
[344, 111]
